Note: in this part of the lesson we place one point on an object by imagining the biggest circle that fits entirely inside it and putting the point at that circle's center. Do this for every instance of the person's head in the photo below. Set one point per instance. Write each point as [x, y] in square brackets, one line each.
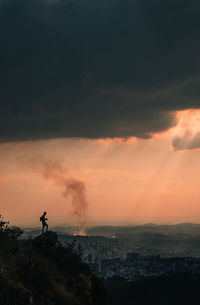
[45, 213]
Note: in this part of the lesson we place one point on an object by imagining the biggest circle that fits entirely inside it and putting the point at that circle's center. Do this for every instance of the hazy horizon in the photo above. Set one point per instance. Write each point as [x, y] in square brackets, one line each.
[33, 221]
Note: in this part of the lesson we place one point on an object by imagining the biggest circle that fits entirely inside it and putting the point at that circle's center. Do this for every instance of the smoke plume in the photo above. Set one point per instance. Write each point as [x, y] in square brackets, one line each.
[74, 188]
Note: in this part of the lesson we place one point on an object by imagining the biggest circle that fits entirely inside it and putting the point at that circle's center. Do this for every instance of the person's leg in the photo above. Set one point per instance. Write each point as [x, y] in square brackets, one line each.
[45, 228]
[42, 228]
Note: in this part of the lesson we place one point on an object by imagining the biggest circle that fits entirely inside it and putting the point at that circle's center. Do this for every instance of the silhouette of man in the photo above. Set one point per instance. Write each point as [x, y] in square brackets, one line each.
[44, 223]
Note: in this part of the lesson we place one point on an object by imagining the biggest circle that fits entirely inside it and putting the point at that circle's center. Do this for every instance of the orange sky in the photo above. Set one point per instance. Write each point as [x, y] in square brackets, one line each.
[127, 180]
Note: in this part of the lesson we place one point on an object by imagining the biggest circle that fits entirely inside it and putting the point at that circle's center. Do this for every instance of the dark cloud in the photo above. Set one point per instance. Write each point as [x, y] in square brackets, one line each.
[85, 68]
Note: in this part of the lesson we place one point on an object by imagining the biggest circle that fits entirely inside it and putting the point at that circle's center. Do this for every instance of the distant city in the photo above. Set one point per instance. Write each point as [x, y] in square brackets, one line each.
[134, 252]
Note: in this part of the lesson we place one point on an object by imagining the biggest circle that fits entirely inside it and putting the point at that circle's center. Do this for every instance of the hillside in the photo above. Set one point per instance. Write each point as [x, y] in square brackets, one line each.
[41, 271]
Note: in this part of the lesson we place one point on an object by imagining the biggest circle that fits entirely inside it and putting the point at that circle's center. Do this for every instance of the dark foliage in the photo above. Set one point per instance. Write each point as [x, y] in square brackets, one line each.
[42, 271]
[175, 289]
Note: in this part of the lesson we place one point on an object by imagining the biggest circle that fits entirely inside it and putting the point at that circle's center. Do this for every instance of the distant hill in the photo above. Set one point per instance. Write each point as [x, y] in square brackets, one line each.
[108, 231]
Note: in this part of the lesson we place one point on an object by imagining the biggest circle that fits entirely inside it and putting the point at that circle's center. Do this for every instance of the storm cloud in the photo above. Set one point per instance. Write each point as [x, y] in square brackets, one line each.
[103, 68]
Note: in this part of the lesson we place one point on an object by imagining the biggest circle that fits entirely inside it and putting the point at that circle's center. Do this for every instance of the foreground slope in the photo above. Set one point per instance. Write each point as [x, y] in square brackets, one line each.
[42, 271]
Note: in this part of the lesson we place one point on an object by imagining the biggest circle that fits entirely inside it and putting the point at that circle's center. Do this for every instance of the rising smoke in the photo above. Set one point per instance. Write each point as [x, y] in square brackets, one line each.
[74, 188]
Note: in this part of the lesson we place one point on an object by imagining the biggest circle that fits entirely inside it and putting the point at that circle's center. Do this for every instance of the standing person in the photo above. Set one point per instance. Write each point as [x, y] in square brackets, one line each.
[44, 223]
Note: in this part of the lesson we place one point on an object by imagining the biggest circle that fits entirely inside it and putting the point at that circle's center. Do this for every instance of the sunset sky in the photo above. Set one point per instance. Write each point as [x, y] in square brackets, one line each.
[104, 94]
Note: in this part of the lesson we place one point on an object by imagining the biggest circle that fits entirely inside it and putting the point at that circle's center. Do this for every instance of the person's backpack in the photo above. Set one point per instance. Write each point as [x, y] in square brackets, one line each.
[42, 218]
